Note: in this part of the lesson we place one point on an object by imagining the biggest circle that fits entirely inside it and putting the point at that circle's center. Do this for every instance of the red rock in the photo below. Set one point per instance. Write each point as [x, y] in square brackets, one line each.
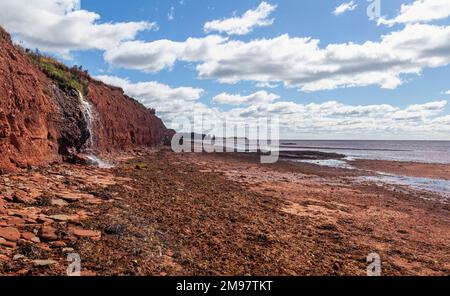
[36, 239]
[4, 242]
[58, 244]
[85, 233]
[88, 273]
[10, 233]
[70, 197]
[44, 263]
[22, 197]
[43, 219]
[16, 221]
[48, 233]
[27, 235]
[63, 218]
[44, 246]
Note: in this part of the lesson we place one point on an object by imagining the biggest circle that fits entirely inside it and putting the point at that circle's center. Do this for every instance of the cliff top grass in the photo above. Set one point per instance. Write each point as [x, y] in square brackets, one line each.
[66, 78]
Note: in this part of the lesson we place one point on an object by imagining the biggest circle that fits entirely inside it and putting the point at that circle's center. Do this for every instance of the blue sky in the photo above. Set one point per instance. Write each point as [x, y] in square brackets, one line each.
[297, 18]
[419, 109]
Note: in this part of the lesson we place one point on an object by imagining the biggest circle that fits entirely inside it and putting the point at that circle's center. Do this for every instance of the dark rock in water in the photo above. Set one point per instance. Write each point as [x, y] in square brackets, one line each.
[310, 155]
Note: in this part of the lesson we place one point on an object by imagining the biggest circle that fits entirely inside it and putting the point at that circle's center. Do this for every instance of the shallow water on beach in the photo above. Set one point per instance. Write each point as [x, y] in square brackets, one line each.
[100, 163]
[434, 185]
[334, 163]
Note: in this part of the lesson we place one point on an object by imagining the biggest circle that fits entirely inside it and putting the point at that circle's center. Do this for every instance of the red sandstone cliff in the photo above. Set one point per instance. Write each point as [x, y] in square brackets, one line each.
[40, 122]
[122, 122]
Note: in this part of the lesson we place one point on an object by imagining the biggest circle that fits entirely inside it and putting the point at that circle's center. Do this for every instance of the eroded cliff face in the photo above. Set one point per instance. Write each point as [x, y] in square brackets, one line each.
[28, 115]
[40, 122]
[120, 121]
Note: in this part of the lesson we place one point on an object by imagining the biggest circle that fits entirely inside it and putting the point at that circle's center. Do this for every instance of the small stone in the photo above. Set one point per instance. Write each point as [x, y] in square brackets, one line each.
[43, 263]
[10, 233]
[67, 250]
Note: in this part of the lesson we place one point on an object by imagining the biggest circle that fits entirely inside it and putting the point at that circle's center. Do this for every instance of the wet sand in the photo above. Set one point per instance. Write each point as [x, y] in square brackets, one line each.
[160, 213]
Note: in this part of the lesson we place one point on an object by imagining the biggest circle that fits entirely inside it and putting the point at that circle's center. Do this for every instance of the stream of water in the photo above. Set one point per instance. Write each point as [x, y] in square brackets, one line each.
[88, 114]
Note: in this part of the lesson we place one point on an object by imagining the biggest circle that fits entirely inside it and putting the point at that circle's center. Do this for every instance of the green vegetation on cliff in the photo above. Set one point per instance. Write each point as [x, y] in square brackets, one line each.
[66, 78]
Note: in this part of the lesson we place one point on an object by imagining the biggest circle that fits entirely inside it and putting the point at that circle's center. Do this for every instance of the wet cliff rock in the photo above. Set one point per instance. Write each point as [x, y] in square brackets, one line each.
[41, 116]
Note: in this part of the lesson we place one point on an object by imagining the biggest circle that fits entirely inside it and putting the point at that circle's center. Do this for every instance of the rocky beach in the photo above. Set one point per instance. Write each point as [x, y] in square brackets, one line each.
[161, 213]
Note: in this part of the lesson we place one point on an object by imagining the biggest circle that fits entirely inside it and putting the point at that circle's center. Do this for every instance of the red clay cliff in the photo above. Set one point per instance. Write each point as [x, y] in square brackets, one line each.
[40, 122]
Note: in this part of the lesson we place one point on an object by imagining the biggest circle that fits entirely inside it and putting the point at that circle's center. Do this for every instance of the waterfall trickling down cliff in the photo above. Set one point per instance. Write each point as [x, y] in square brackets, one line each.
[88, 114]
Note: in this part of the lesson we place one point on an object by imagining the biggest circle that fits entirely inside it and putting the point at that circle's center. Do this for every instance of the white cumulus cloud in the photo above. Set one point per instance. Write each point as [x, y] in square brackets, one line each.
[420, 11]
[344, 7]
[244, 24]
[297, 61]
[56, 25]
[255, 98]
[152, 92]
